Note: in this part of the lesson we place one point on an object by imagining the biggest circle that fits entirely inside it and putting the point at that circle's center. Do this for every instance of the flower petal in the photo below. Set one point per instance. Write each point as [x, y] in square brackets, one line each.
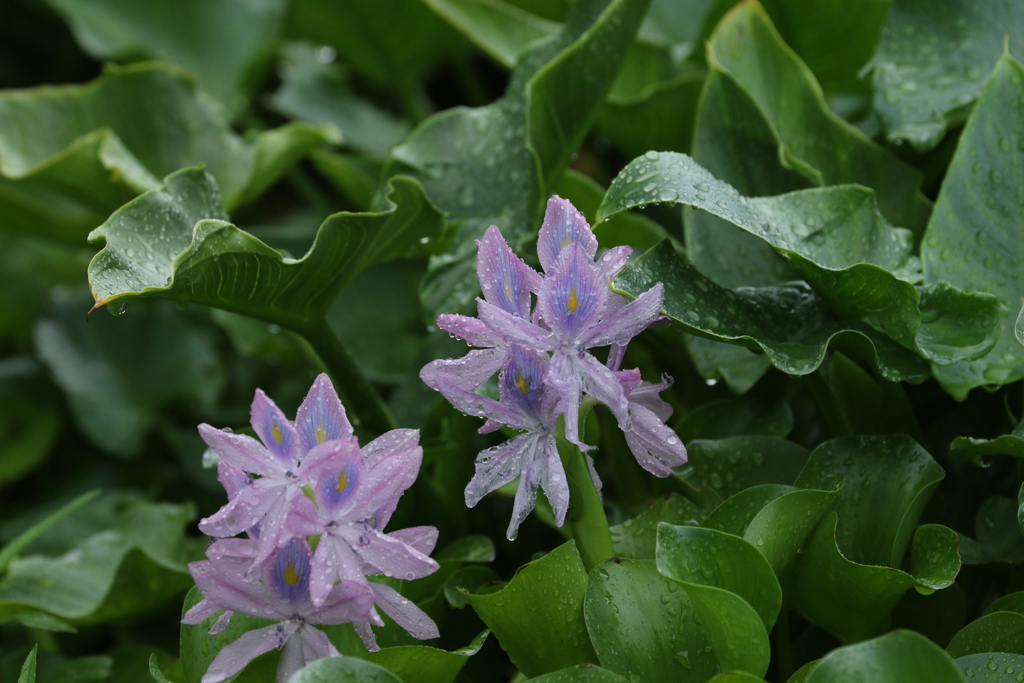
[242, 512]
[469, 372]
[386, 480]
[564, 376]
[274, 429]
[333, 560]
[505, 279]
[555, 483]
[240, 450]
[465, 399]
[563, 225]
[422, 538]
[499, 465]
[338, 470]
[533, 472]
[288, 572]
[512, 328]
[347, 601]
[233, 658]
[521, 382]
[602, 384]
[573, 295]
[390, 556]
[405, 612]
[655, 446]
[626, 322]
[471, 330]
[614, 260]
[228, 591]
[389, 443]
[321, 417]
[365, 634]
[306, 645]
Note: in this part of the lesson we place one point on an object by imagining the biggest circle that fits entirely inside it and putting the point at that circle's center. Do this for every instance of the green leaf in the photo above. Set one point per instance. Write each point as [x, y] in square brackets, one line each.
[30, 431]
[351, 669]
[538, 617]
[584, 673]
[174, 243]
[736, 677]
[897, 657]
[468, 580]
[789, 323]
[932, 60]
[472, 548]
[1014, 602]
[733, 588]
[128, 569]
[733, 464]
[500, 29]
[870, 405]
[735, 417]
[15, 546]
[997, 667]
[888, 481]
[28, 669]
[422, 664]
[998, 537]
[837, 240]
[637, 538]
[994, 632]
[73, 154]
[496, 164]
[155, 671]
[643, 626]
[971, 237]
[199, 647]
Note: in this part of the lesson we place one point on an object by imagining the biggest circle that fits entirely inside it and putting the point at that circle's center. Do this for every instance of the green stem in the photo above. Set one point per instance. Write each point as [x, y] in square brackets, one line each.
[356, 392]
[587, 520]
[827, 404]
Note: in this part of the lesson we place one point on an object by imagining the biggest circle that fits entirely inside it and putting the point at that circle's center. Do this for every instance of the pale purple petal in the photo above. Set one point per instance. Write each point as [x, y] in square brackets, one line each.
[512, 328]
[365, 634]
[274, 429]
[646, 395]
[630, 379]
[333, 560]
[471, 330]
[339, 475]
[390, 556]
[232, 554]
[521, 382]
[388, 478]
[573, 295]
[348, 601]
[222, 623]
[614, 260]
[499, 465]
[274, 529]
[405, 612]
[505, 279]
[470, 371]
[602, 384]
[463, 398]
[563, 225]
[248, 508]
[554, 483]
[231, 478]
[389, 443]
[533, 472]
[288, 572]
[306, 645]
[616, 352]
[626, 322]
[655, 446]
[321, 417]
[240, 450]
[422, 538]
[228, 591]
[200, 612]
[564, 377]
[233, 658]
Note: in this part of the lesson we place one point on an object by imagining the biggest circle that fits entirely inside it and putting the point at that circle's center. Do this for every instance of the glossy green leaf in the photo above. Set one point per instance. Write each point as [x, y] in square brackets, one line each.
[538, 617]
[333, 669]
[465, 581]
[188, 34]
[932, 60]
[584, 673]
[737, 511]
[186, 252]
[897, 657]
[732, 587]
[1014, 602]
[729, 417]
[994, 632]
[500, 29]
[472, 548]
[644, 626]
[971, 237]
[997, 667]
[842, 246]
[422, 664]
[496, 164]
[155, 672]
[789, 323]
[637, 538]
[887, 480]
[28, 669]
[733, 464]
[15, 546]
[134, 566]
[736, 677]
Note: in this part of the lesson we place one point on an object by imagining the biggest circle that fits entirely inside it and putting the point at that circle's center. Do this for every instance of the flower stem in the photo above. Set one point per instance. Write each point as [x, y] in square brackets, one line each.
[587, 520]
[355, 390]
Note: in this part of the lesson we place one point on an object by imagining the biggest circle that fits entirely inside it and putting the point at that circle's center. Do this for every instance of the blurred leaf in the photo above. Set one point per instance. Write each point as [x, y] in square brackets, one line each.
[732, 587]
[837, 240]
[733, 464]
[27, 434]
[500, 29]
[319, 93]
[222, 43]
[15, 546]
[119, 374]
[978, 219]
[994, 632]
[643, 626]
[897, 657]
[333, 669]
[135, 565]
[28, 669]
[637, 538]
[997, 667]
[735, 417]
[156, 673]
[538, 617]
[134, 662]
[789, 322]
[473, 548]
[497, 164]
[422, 664]
[932, 60]
[584, 673]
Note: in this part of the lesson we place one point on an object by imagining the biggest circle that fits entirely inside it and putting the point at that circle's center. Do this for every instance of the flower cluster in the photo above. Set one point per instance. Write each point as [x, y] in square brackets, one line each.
[308, 480]
[542, 355]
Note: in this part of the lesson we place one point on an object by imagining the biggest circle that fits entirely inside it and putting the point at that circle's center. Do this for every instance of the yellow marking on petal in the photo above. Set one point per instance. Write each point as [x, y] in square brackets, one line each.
[342, 482]
[291, 577]
[573, 302]
[321, 434]
[508, 289]
[565, 242]
[521, 382]
[277, 432]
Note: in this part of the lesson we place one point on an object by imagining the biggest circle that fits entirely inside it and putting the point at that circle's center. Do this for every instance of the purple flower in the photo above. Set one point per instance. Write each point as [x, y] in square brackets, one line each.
[655, 445]
[281, 594]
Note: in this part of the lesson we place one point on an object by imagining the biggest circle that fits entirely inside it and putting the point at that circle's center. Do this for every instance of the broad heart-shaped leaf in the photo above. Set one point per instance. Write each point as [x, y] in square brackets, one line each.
[1014, 602]
[584, 673]
[500, 29]
[838, 241]
[128, 569]
[538, 617]
[853, 601]
[422, 664]
[351, 669]
[932, 60]
[789, 323]
[644, 626]
[733, 588]
[995, 667]
[974, 237]
[994, 632]
[637, 538]
[811, 140]
[496, 164]
[733, 464]
[70, 155]
[897, 657]
[220, 43]
[887, 480]
[173, 243]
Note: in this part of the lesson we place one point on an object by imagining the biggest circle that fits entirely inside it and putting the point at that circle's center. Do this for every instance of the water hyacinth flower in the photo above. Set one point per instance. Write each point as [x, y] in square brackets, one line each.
[546, 365]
